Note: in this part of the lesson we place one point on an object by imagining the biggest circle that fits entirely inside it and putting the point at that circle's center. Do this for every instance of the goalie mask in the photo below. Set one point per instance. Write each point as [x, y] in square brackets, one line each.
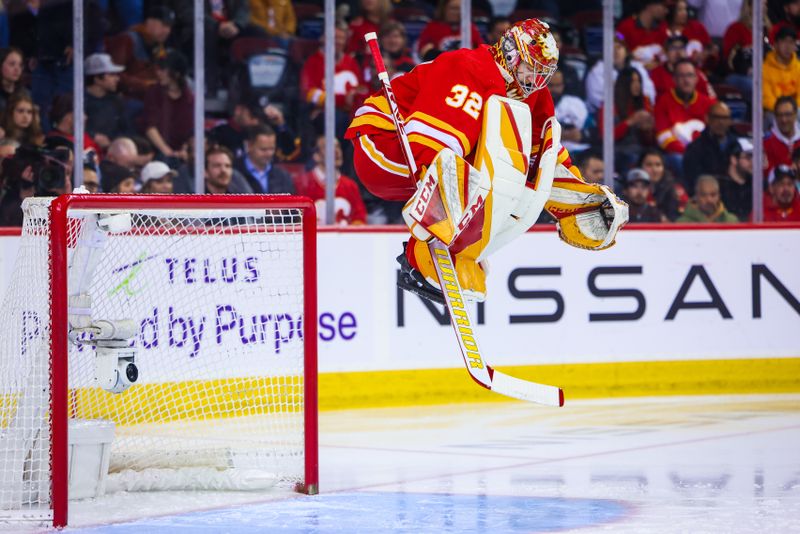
[528, 56]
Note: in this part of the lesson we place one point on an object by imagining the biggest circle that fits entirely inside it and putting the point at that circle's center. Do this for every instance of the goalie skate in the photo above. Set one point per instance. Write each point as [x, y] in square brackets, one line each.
[413, 281]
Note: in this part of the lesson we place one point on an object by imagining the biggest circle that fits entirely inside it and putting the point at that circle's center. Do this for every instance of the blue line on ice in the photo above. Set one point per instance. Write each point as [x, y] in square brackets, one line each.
[389, 512]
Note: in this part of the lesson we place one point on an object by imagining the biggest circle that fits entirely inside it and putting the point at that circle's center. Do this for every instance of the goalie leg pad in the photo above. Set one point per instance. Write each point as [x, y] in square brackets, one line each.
[423, 280]
[532, 195]
[447, 198]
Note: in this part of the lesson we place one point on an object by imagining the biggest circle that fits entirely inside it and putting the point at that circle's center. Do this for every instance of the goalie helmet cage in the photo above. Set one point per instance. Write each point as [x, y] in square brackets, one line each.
[222, 290]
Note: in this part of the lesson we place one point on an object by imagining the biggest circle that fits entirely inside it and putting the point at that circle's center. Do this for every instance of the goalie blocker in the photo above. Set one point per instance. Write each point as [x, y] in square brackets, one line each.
[476, 210]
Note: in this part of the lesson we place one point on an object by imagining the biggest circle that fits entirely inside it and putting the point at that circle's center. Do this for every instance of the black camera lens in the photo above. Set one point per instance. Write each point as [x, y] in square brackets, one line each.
[132, 373]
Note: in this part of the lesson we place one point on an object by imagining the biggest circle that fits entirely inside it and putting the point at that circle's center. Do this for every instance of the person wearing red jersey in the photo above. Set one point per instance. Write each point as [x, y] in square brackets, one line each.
[349, 207]
[663, 76]
[346, 81]
[698, 42]
[444, 31]
[644, 32]
[373, 15]
[783, 202]
[449, 105]
[681, 113]
[784, 136]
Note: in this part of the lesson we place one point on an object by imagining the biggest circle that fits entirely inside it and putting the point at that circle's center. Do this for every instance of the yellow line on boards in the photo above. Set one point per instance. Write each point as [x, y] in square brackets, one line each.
[339, 391]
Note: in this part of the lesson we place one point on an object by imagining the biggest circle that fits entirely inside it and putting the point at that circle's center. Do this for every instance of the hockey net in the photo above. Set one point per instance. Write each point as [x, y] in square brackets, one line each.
[218, 289]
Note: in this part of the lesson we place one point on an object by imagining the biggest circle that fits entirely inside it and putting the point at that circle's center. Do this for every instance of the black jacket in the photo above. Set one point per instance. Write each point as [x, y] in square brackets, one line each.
[707, 155]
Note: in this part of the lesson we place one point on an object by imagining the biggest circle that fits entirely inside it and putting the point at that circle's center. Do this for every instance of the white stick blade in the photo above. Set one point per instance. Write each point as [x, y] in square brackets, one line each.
[527, 391]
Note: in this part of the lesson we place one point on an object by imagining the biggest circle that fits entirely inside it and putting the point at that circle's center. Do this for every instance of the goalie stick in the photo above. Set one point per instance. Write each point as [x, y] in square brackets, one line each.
[480, 371]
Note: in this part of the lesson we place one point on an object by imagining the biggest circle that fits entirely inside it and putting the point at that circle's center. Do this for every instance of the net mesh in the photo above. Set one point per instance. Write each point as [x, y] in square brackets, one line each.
[217, 300]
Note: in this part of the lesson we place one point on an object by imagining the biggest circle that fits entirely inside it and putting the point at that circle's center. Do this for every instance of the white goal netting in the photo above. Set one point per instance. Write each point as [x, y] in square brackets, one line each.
[217, 300]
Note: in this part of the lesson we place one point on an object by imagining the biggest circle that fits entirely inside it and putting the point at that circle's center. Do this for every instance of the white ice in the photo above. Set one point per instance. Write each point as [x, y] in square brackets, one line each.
[689, 464]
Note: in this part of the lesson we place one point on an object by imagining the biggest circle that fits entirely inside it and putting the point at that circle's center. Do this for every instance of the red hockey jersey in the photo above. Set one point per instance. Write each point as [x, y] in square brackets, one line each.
[778, 148]
[678, 123]
[442, 101]
[346, 79]
[644, 44]
[664, 81]
[443, 36]
[348, 205]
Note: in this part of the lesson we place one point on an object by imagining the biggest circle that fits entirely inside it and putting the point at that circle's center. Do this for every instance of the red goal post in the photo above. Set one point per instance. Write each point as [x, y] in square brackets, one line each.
[259, 387]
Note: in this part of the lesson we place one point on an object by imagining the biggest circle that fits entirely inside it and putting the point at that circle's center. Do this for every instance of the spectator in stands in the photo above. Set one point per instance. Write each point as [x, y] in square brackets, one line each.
[219, 170]
[717, 15]
[572, 80]
[347, 79]
[737, 50]
[443, 33]
[139, 48]
[106, 116]
[116, 178]
[643, 32]
[595, 81]
[11, 65]
[668, 195]
[784, 136]
[394, 41]
[63, 120]
[785, 13]
[782, 69]
[710, 152]
[157, 178]
[123, 151]
[591, 165]
[570, 111]
[169, 107]
[253, 111]
[276, 17]
[497, 27]
[349, 207]
[698, 42]
[633, 118]
[736, 186]
[636, 193]
[257, 166]
[371, 17]
[680, 113]
[90, 180]
[20, 120]
[783, 202]
[663, 76]
[706, 206]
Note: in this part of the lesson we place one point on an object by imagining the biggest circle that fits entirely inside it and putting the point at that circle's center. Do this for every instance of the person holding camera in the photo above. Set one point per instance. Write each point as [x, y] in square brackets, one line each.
[33, 171]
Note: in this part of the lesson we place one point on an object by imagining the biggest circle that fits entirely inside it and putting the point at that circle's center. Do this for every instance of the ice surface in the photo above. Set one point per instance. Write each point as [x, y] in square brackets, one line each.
[690, 464]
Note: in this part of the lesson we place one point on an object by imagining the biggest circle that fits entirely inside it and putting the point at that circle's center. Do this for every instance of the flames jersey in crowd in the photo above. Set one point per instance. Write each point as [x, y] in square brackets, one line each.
[644, 44]
[345, 79]
[442, 101]
[678, 123]
[348, 207]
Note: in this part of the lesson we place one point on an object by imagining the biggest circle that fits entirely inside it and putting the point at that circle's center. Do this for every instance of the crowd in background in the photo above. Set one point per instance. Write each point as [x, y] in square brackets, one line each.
[681, 104]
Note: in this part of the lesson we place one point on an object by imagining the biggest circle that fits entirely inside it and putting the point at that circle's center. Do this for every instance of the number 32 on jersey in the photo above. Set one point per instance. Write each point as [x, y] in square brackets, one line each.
[468, 101]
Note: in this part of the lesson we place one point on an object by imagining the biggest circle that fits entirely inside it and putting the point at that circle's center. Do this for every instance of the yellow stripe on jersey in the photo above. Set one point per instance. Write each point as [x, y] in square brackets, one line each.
[424, 140]
[380, 160]
[373, 119]
[380, 102]
[445, 128]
